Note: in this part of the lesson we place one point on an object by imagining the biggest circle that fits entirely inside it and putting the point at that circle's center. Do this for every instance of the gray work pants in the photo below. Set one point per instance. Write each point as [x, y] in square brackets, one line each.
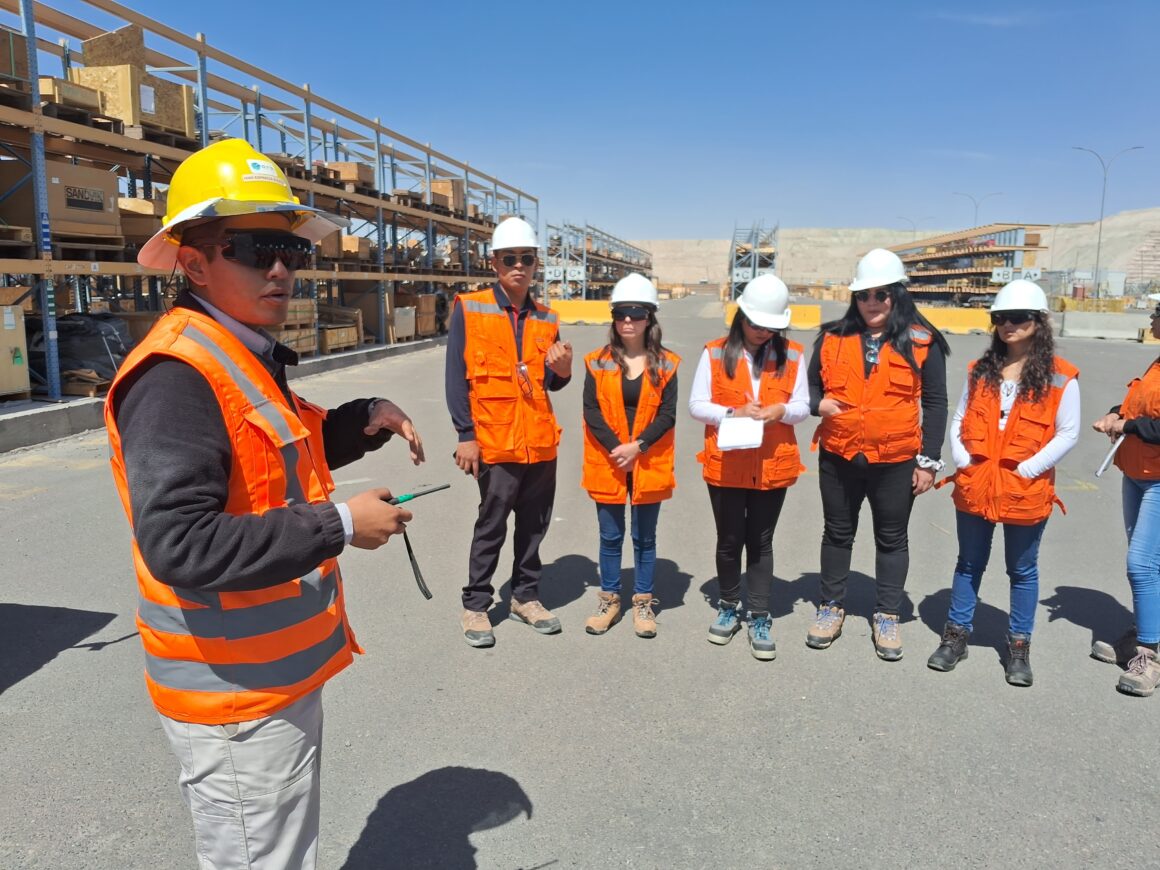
[253, 787]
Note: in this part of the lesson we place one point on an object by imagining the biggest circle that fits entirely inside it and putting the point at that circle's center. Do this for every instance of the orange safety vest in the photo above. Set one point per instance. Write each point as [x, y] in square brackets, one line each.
[510, 408]
[1136, 458]
[883, 420]
[990, 487]
[652, 475]
[217, 657]
[776, 464]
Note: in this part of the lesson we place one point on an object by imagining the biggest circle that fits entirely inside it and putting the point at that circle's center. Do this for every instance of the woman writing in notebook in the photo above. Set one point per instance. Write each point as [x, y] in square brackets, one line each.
[753, 374]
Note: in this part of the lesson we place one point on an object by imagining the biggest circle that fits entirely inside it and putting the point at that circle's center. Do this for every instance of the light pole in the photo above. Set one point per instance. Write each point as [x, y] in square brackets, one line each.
[1103, 195]
[913, 225]
[977, 201]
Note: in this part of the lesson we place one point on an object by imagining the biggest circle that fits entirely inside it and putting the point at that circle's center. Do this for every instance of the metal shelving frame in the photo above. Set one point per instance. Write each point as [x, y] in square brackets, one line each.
[271, 112]
[752, 252]
[586, 261]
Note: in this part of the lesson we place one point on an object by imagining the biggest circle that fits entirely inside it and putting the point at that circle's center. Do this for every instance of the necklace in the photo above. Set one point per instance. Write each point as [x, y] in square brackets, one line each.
[1008, 389]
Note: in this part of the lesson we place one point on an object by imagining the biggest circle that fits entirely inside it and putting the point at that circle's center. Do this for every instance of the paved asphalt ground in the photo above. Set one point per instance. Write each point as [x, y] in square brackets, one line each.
[595, 752]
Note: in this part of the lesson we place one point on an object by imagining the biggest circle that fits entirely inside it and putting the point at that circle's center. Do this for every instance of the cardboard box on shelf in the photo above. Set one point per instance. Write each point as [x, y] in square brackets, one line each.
[453, 190]
[82, 200]
[404, 323]
[136, 97]
[356, 248]
[13, 57]
[354, 172]
[70, 94]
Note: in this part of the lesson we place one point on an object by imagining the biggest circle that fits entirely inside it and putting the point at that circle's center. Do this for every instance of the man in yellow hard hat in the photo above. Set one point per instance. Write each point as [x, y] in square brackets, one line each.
[225, 475]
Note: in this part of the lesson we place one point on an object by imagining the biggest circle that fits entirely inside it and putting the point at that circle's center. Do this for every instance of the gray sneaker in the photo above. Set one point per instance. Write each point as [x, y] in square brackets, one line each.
[727, 624]
[477, 628]
[761, 643]
[1143, 674]
[1119, 652]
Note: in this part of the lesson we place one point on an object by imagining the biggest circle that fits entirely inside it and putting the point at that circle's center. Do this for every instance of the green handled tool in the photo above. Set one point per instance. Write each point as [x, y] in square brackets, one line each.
[406, 497]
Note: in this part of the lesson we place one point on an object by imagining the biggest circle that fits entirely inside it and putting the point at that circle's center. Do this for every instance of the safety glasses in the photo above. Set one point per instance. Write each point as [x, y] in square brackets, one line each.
[260, 250]
[630, 312]
[1015, 318]
[756, 327]
[864, 295]
[510, 260]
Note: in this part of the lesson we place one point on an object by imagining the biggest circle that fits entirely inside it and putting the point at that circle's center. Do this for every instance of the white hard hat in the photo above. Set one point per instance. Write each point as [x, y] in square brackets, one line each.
[879, 268]
[513, 233]
[765, 301]
[1020, 295]
[634, 288]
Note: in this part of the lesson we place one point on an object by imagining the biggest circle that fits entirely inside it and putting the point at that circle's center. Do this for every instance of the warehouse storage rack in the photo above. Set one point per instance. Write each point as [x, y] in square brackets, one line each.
[973, 263]
[584, 262]
[752, 252]
[399, 209]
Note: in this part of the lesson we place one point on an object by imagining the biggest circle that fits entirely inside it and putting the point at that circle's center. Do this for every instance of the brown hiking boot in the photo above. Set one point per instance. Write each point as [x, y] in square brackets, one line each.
[644, 621]
[827, 626]
[887, 636]
[535, 615]
[1119, 652]
[477, 628]
[1143, 674]
[607, 613]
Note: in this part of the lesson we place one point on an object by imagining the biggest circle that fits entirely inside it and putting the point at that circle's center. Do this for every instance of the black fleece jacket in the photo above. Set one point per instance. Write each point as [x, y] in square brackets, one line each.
[178, 457]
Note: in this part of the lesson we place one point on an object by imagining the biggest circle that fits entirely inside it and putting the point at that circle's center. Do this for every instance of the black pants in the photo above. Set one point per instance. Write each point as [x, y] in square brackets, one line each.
[745, 518]
[889, 489]
[527, 489]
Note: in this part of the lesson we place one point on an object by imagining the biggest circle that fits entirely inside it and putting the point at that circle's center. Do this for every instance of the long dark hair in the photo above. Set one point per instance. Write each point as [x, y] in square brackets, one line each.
[653, 349]
[1038, 369]
[735, 343]
[903, 315]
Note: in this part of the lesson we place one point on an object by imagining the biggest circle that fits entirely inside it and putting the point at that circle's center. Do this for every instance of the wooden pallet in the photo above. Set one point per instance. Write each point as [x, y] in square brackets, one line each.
[85, 388]
[162, 136]
[105, 249]
[83, 117]
[13, 93]
[361, 190]
[17, 396]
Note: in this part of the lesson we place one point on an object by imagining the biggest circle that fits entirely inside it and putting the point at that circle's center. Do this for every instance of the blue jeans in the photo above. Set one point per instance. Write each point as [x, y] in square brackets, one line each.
[1142, 523]
[1021, 547]
[644, 545]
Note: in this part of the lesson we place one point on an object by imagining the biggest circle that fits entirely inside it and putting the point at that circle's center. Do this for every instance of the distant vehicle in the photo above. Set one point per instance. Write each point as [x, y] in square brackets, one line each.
[980, 301]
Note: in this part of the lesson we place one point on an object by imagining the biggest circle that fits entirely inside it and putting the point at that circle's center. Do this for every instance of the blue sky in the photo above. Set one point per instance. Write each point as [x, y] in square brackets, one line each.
[676, 120]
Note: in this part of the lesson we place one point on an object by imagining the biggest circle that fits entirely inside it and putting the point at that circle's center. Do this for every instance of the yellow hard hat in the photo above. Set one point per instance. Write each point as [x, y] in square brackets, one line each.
[226, 179]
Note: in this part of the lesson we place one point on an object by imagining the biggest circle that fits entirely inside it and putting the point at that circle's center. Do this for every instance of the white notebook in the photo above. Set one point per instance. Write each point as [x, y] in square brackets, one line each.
[740, 433]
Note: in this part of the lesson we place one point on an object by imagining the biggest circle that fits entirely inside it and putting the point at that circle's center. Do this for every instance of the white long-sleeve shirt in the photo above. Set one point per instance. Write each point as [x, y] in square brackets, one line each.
[1066, 429]
[704, 410]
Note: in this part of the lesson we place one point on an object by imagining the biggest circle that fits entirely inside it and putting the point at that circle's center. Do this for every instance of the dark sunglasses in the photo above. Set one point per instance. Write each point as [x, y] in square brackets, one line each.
[510, 260]
[759, 328]
[260, 250]
[864, 295]
[634, 312]
[1015, 318]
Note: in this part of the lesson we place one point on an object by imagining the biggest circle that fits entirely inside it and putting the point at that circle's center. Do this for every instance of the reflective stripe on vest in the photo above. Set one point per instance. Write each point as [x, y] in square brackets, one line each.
[187, 676]
[318, 593]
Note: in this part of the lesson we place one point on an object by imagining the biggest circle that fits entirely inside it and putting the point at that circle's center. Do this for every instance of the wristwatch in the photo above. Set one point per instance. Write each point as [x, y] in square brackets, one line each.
[642, 444]
[729, 412]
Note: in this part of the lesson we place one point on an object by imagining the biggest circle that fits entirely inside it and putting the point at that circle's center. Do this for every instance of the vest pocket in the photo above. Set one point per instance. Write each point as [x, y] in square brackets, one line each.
[900, 379]
[495, 410]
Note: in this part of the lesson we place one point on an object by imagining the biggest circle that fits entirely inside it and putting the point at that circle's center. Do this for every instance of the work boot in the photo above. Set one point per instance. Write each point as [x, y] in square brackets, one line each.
[827, 626]
[644, 621]
[477, 628]
[1143, 674]
[760, 640]
[1019, 659]
[535, 615]
[887, 637]
[952, 649]
[727, 624]
[1119, 652]
[607, 613]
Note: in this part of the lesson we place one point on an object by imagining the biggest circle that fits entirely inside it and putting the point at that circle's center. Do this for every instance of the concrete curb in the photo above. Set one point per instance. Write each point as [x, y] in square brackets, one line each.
[36, 425]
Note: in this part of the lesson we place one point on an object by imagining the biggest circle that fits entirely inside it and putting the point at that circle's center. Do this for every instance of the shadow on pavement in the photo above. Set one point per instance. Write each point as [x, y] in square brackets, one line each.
[990, 622]
[1092, 609]
[428, 821]
[31, 636]
[561, 583]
